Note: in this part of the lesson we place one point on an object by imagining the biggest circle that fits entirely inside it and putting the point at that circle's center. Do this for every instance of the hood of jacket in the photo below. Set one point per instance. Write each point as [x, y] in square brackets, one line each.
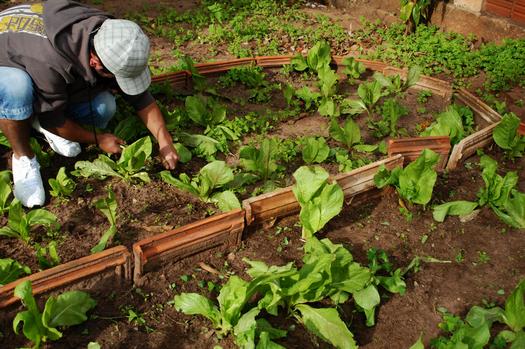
[69, 25]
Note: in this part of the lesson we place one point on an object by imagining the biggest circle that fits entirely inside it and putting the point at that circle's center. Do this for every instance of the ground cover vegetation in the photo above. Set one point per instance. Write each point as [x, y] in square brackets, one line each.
[231, 133]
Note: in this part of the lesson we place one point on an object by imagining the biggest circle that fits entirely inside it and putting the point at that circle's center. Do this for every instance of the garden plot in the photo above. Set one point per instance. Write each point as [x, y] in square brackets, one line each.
[460, 264]
[225, 121]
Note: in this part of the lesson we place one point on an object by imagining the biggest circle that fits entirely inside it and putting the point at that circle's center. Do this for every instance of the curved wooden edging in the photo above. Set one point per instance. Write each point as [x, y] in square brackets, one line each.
[411, 148]
[223, 229]
[480, 108]
[117, 258]
[468, 146]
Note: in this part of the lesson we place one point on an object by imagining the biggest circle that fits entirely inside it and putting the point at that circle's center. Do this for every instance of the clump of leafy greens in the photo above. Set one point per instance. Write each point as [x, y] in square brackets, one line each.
[413, 183]
[215, 175]
[500, 193]
[476, 330]
[394, 84]
[391, 111]
[353, 69]
[11, 270]
[5, 190]
[319, 200]
[318, 57]
[349, 134]
[315, 150]
[67, 309]
[507, 137]
[128, 167]
[328, 272]
[456, 122]
[63, 186]
[261, 161]
[19, 223]
[108, 206]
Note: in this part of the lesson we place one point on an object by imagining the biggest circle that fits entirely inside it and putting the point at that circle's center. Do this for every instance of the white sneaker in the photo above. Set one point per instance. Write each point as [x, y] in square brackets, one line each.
[28, 186]
[60, 145]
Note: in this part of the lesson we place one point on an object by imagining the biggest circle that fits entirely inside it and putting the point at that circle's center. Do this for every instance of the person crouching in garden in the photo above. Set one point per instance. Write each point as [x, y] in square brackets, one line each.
[60, 63]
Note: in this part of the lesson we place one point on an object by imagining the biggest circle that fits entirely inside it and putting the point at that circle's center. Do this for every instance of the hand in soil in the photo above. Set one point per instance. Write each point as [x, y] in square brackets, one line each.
[169, 156]
[110, 143]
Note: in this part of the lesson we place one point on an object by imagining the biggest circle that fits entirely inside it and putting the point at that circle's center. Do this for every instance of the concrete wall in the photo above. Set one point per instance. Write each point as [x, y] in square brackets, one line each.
[470, 5]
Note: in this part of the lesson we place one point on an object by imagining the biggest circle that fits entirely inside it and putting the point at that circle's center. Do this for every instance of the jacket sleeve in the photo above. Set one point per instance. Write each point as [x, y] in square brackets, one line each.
[139, 101]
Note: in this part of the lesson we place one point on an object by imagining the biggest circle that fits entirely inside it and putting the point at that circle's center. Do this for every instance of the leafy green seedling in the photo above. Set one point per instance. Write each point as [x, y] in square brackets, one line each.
[5, 190]
[43, 157]
[353, 69]
[349, 134]
[11, 270]
[206, 112]
[455, 122]
[391, 112]
[315, 150]
[423, 96]
[67, 309]
[213, 176]
[475, 331]
[319, 200]
[507, 137]
[47, 255]
[394, 84]
[413, 183]
[108, 207]
[262, 162]
[20, 223]
[317, 58]
[62, 186]
[500, 193]
[128, 167]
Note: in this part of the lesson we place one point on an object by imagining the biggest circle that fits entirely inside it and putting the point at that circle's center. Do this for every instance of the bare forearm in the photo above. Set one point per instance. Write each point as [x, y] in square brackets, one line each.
[74, 132]
[152, 117]
[154, 121]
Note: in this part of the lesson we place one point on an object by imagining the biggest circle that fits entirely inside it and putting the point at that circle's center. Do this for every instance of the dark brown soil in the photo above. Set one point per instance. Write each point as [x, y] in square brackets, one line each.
[460, 278]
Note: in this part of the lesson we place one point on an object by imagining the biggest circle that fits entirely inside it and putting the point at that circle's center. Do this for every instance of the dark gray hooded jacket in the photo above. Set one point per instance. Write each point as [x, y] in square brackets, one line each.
[50, 41]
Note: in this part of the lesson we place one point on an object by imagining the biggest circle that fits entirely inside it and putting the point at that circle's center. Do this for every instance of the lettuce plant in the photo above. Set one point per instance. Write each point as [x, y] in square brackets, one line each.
[353, 69]
[315, 149]
[5, 190]
[413, 183]
[62, 186]
[215, 175]
[205, 112]
[456, 122]
[261, 161]
[318, 57]
[507, 138]
[202, 146]
[394, 84]
[108, 207]
[319, 200]
[349, 134]
[229, 316]
[67, 309]
[391, 111]
[19, 223]
[128, 167]
[500, 194]
[476, 330]
[11, 270]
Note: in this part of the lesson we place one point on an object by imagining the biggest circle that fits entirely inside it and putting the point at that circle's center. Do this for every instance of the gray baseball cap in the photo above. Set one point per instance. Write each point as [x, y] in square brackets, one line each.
[124, 50]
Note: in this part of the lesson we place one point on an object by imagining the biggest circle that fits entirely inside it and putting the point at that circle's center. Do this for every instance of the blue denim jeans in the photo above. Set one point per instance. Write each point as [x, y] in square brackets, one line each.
[17, 95]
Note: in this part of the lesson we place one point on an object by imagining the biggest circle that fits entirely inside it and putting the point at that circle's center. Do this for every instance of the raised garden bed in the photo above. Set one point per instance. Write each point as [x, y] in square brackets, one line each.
[152, 211]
